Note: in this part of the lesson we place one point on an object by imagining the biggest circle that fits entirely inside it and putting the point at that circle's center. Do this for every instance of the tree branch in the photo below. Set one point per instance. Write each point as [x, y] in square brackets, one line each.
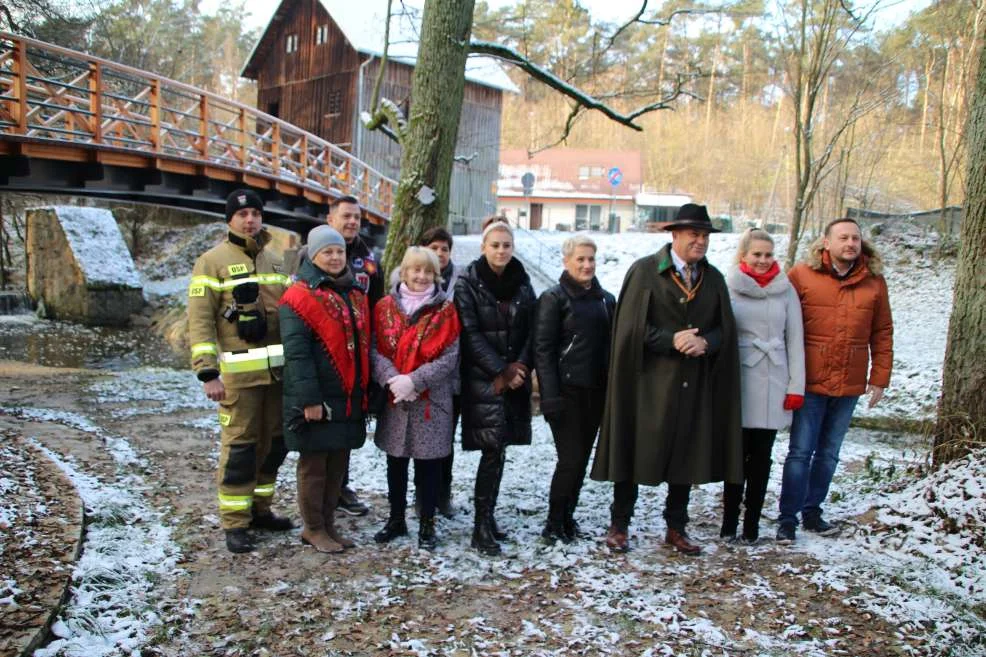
[581, 98]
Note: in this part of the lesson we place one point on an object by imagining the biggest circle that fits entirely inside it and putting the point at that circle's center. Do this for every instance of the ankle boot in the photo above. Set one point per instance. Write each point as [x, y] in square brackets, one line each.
[396, 526]
[483, 539]
[731, 496]
[427, 540]
[572, 530]
[311, 491]
[554, 528]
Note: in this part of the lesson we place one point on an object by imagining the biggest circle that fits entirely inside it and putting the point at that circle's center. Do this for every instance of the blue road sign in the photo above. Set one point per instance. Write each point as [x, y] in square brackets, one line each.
[615, 176]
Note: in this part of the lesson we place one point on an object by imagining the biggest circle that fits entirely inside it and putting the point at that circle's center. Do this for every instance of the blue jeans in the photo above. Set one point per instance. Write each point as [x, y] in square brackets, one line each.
[817, 431]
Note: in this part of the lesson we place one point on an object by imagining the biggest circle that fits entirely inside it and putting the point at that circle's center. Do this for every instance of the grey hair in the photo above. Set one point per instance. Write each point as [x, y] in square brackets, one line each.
[568, 246]
[417, 256]
[747, 237]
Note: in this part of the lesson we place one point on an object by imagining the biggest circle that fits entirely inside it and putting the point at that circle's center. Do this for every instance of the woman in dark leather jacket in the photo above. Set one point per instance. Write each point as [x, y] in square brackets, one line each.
[495, 301]
[571, 354]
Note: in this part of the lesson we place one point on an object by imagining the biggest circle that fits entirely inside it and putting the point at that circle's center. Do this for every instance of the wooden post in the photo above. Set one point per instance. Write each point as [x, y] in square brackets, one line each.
[21, 87]
[156, 115]
[275, 148]
[303, 171]
[204, 127]
[243, 138]
[327, 167]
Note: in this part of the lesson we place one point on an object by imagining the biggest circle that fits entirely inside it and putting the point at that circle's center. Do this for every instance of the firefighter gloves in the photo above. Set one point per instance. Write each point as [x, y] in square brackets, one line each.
[251, 324]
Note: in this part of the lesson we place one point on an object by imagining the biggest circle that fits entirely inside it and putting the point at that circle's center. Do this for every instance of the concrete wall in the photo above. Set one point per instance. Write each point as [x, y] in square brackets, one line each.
[79, 267]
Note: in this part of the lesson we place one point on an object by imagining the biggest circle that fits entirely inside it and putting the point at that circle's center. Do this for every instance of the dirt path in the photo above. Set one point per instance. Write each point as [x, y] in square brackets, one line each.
[396, 600]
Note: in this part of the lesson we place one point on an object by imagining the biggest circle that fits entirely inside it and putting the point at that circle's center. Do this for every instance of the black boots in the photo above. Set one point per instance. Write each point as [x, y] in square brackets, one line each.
[732, 495]
[396, 526]
[239, 541]
[271, 522]
[554, 529]
[483, 538]
[427, 540]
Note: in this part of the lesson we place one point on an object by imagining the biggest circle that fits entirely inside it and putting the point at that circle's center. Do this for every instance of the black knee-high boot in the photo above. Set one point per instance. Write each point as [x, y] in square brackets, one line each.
[487, 481]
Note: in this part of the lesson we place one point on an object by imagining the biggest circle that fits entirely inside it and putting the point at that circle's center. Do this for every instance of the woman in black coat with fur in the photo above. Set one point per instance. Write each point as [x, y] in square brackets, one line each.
[495, 301]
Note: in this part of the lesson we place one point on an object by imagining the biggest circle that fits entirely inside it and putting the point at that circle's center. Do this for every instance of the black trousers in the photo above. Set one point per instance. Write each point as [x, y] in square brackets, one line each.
[445, 481]
[574, 433]
[675, 508]
[426, 482]
[758, 444]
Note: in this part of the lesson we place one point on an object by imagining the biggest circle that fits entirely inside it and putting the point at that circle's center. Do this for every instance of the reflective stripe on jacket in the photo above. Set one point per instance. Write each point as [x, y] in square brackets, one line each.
[216, 347]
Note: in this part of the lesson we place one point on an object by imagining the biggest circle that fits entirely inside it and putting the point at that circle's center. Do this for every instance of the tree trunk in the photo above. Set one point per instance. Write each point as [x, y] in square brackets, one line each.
[433, 125]
[962, 408]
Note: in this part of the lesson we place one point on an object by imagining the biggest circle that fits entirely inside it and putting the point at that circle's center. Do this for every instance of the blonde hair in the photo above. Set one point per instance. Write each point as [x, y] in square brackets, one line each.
[575, 241]
[416, 256]
[747, 237]
[496, 223]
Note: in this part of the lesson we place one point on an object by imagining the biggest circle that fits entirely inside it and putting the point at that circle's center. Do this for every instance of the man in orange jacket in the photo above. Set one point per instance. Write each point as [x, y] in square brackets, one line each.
[848, 329]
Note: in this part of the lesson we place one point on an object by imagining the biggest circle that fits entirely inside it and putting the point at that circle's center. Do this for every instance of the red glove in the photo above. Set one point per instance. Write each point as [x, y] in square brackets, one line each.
[793, 402]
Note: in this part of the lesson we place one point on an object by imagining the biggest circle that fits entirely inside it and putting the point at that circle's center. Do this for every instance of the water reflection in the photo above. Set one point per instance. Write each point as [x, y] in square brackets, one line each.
[63, 344]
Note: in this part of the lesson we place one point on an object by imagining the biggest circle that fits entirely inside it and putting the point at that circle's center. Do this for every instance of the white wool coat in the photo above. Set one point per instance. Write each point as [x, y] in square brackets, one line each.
[771, 347]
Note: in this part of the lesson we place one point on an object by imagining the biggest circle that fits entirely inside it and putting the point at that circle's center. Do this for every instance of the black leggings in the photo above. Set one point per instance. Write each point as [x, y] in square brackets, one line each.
[427, 475]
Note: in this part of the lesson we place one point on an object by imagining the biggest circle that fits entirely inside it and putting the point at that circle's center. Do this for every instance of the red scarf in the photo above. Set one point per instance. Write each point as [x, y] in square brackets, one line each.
[764, 278]
[409, 346]
[325, 312]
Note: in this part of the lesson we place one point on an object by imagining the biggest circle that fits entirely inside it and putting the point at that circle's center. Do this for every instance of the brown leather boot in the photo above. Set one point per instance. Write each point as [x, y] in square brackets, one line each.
[311, 493]
[617, 538]
[679, 541]
[337, 463]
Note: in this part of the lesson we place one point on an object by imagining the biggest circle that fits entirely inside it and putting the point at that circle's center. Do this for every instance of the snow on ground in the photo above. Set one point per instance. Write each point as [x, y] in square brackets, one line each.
[113, 608]
[98, 246]
[916, 558]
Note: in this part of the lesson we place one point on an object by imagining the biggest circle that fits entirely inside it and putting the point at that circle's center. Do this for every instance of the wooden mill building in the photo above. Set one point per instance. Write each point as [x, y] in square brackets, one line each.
[316, 65]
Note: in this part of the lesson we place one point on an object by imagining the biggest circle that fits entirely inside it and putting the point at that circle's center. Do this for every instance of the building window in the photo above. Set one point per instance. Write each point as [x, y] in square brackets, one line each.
[583, 173]
[321, 34]
[291, 45]
[333, 104]
[587, 217]
[597, 172]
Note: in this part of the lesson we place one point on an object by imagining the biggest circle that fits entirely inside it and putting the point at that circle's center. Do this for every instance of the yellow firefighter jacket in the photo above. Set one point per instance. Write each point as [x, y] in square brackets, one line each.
[216, 346]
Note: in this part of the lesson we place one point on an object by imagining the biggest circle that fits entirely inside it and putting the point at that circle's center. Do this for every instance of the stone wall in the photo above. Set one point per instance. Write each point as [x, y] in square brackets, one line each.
[79, 267]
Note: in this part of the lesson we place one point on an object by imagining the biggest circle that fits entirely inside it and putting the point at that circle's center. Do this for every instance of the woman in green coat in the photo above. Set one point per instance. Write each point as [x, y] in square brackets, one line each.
[325, 329]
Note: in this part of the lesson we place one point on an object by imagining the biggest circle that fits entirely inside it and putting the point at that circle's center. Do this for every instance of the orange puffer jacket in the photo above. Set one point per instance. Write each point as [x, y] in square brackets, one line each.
[847, 324]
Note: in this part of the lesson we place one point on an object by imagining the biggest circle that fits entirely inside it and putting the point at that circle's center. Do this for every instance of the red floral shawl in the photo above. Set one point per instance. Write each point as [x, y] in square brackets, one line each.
[325, 312]
[409, 346]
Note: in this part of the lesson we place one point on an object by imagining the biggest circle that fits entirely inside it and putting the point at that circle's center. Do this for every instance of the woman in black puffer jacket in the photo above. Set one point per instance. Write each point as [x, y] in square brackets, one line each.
[571, 354]
[495, 301]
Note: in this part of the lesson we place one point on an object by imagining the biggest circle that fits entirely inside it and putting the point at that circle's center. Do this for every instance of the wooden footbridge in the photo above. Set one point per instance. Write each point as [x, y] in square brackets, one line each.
[78, 125]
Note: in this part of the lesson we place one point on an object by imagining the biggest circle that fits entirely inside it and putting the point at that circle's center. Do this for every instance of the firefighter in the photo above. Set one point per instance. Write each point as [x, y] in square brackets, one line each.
[237, 355]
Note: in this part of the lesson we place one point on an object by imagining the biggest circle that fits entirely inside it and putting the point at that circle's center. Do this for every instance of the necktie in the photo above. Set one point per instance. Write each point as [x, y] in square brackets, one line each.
[686, 276]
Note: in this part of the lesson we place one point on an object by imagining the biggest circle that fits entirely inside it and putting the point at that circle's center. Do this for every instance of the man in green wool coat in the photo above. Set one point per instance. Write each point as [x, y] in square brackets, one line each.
[673, 398]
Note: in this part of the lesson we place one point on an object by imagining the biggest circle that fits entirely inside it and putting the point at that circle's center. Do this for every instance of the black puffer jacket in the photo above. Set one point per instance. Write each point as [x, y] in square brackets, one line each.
[494, 334]
[571, 338]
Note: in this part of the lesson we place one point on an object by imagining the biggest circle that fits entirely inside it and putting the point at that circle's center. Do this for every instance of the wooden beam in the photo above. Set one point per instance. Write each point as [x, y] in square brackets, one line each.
[217, 173]
[132, 160]
[177, 166]
[66, 152]
[257, 181]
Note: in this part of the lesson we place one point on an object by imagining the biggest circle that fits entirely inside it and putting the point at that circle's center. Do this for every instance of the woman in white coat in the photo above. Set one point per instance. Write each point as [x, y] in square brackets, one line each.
[772, 364]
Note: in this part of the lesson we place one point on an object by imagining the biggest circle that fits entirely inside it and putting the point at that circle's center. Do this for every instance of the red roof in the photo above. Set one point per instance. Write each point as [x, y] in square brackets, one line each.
[572, 170]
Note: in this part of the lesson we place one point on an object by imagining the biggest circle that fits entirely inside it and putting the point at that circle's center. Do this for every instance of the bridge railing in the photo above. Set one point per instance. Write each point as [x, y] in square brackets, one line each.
[55, 95]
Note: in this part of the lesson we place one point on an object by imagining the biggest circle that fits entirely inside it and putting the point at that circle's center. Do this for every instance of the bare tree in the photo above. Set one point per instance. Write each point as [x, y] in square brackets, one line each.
[429, 134]
[814, 37]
